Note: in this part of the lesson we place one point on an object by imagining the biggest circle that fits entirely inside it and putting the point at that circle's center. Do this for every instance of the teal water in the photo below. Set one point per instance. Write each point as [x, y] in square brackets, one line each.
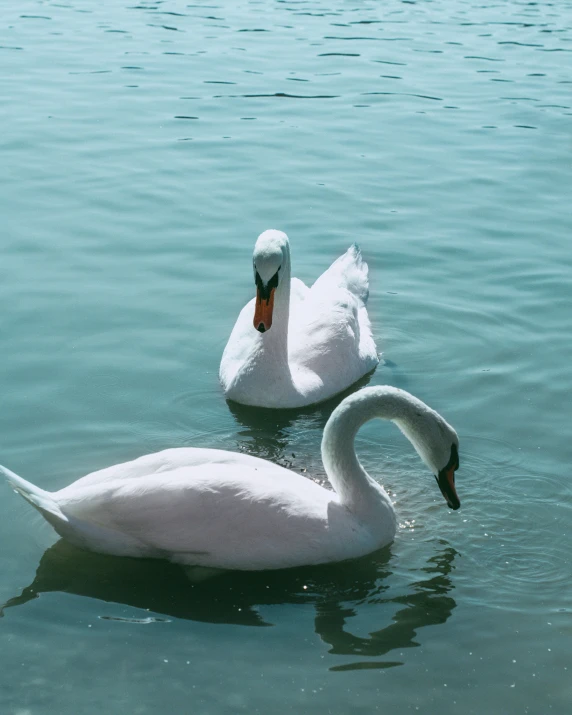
[144, 147]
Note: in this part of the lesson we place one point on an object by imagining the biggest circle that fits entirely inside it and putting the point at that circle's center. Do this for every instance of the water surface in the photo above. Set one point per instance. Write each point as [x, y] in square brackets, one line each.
[144, 147]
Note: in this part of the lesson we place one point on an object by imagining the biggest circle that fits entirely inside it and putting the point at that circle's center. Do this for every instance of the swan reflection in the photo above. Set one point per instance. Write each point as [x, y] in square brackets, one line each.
[274, 434]
[338, 592]
[427, 603]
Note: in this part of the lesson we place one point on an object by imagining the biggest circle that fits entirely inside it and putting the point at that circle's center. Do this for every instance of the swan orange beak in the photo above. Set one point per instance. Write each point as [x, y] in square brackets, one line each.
[446, 480]
[263, 309]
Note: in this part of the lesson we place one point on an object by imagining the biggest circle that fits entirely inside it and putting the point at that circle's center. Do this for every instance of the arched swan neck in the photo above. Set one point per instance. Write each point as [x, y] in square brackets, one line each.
[346, 474]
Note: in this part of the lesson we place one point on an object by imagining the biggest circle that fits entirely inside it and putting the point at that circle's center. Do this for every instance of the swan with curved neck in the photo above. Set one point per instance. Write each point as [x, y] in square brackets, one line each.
[294, 346]
[218, 509]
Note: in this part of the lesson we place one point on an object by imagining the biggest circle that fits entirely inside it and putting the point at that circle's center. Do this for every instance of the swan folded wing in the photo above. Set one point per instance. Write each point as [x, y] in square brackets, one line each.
[203, 516]
[329, 340]
[170, 459]
[332, 331]
[348, 272]
[241, 341]
[367, 347]
[299, 291]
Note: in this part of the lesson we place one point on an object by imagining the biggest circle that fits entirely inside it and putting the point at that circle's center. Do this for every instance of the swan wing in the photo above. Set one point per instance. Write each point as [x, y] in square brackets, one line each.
[331, 330]
[299, 291]
[348, 272]
[240, 346]
[218, 515]
[176, 458]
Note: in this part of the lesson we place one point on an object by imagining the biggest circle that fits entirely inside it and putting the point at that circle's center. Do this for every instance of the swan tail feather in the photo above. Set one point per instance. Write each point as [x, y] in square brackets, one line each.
[349, 271]
[358, 274]
[38, 498]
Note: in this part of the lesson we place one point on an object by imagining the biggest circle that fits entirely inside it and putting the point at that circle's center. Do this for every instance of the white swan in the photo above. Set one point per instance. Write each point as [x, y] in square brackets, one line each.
[218, 509]
[292, 345]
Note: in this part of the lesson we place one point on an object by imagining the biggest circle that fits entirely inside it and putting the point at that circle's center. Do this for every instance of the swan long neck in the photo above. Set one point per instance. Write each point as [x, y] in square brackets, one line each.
[345, 472]
[275, 341]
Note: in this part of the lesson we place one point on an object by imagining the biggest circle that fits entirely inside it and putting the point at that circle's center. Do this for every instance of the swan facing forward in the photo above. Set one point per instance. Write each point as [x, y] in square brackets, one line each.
[218, 509]
[292, 345]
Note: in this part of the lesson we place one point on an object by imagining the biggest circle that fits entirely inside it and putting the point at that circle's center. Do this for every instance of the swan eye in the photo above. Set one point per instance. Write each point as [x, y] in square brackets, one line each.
[264, 290]
[273, 282]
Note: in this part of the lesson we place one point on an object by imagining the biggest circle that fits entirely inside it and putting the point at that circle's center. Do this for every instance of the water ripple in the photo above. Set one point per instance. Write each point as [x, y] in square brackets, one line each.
[127, 256]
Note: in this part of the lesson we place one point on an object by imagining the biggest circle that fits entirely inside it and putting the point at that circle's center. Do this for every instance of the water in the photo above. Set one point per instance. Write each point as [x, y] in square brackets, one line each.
[144, 147]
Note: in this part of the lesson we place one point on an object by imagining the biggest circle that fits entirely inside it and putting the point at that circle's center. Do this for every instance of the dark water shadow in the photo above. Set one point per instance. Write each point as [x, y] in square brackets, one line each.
[337, 592]
[267, 433]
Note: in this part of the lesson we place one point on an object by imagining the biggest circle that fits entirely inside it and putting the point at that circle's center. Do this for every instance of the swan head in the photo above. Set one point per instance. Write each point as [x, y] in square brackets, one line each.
[271, 258]
[437, 444]
[435, 441]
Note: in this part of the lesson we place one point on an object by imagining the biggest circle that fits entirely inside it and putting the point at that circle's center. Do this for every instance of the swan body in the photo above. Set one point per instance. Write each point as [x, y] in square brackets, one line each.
[224, 510]
[292, 345]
